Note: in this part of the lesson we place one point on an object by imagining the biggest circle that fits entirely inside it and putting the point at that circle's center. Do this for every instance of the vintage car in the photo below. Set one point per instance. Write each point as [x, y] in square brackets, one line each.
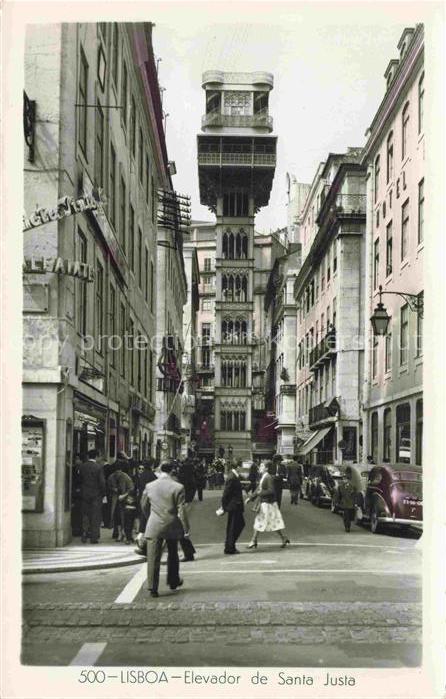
[360, 475]
[322, 483]
[394, 496]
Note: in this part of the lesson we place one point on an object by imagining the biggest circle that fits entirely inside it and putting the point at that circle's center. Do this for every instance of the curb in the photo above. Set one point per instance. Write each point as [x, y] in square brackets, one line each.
[85, 566]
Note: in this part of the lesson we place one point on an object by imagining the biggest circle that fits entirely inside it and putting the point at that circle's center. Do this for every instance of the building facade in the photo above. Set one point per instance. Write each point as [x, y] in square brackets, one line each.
[236, 163]
[95, 157]
[395, 159]
[329, 289]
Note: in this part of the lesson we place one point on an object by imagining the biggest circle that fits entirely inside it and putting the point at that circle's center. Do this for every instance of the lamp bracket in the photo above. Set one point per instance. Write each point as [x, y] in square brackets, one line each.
[414, 302]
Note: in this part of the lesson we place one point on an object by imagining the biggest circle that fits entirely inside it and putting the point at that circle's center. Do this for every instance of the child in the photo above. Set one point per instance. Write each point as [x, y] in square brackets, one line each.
[129, 516]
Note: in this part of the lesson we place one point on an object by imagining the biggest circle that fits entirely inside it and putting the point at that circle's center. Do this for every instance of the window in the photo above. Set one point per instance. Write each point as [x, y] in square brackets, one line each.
[115, 55]
[377, 217]
[99, 304]
[140, 258]
[154, 200]
[334, 312]
[146, 373]
[122, 213]
[132, 126]
[389, 249]
[387, 435]
[421, 104]
[421, 211]
[152, 281]
[207, 264]
[404, 229]
[333, 377]
[124, 95]
[335, 258]
[323, 276]
[83, 101]
[420, 299]
[403, 440]
[81, 287]
[112, 324]
[404, 131]
[141, 157]
[123, 347]
[237, 103]
[389, 170]
[99, 151]
[146, 267]
[388, 353]
[404, 334]
[112, 188]
[132, 238]
[206, 305]
[138, 351]
[235, 204]
[375, 357]
[147, 180]
[374, 437]
[131, 347]
[377, 171]
[375, 263]
[419, 432]
[151, 376]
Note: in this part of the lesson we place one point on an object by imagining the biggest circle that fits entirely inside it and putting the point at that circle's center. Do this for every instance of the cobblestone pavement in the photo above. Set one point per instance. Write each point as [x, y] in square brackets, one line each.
[207, 623]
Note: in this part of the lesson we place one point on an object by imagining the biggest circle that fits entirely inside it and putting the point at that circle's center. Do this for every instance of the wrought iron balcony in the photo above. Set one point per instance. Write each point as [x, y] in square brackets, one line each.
[248, 159]
[345, 204]
[318, 413]
[323, 351]
[238, 120]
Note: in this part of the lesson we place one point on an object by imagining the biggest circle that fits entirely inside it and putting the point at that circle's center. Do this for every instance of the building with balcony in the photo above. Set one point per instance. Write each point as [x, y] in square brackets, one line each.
[395, 158]
[282, 372]
[236, 164]
[173, 224]
[95, 157]
[329, 290]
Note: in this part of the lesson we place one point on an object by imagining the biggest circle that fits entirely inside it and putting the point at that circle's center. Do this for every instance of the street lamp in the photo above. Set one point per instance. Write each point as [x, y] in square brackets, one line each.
[380, 318]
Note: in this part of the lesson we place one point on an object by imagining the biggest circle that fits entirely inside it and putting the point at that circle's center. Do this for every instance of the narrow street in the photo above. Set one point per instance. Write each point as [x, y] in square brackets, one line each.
[330, 599]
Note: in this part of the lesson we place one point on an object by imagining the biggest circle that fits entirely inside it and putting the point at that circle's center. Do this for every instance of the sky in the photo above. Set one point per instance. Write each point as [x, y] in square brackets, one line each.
[328, 62]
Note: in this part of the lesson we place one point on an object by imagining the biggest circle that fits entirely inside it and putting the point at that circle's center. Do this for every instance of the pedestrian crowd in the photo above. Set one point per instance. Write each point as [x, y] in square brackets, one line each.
[149, 503]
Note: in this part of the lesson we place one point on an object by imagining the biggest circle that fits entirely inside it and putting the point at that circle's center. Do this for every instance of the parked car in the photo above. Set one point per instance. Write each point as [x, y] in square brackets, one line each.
[394, 496]
[322, 483]
[360, 475]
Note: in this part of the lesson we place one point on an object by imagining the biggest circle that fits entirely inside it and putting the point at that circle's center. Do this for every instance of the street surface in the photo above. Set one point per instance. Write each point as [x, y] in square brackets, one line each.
[330, 599]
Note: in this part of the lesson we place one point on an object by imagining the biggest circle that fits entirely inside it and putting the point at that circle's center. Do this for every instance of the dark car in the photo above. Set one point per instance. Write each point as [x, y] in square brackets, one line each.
[394, 496]
[322, 483]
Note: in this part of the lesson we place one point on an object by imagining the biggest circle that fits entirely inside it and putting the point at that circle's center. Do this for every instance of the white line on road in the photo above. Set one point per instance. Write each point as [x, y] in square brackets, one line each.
[132, 588]
[267, 571]
[88, 654]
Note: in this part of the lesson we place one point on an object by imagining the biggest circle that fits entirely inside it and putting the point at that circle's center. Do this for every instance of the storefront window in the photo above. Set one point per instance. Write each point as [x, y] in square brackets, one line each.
[403, 441]
[387, 435]
[419, 434]
[374, 437]
[33, 464]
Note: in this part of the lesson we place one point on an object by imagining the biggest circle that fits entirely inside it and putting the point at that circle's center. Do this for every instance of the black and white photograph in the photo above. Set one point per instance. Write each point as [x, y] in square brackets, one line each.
[225, 226]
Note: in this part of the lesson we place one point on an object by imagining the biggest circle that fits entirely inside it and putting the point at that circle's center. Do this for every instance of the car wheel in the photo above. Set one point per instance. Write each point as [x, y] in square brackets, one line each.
[374, 521]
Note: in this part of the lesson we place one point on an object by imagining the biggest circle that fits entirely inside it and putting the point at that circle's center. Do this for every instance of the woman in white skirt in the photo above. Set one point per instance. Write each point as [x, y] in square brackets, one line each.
[268, 517]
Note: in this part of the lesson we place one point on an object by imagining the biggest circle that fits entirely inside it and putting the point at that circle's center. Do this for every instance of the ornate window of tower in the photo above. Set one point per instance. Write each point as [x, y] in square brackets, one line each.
[237, 103]
[234, 332]
[235, 245]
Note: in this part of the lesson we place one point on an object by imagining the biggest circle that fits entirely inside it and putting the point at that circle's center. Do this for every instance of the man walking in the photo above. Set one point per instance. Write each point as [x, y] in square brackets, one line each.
[232, 503]
[120, 486]
[347, 493]
[92, 491]
[294, 481]
[168, 522]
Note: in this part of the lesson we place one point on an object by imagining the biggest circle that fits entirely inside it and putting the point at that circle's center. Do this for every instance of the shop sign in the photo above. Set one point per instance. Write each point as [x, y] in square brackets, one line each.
[58, 265]
[67, 206]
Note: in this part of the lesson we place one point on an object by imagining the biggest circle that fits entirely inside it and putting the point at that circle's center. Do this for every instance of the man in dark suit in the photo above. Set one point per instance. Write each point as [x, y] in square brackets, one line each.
[92, 491]
[232, 503]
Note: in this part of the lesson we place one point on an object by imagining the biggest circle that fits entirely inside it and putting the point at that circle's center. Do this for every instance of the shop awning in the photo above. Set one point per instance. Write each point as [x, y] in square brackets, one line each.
[313, 441]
